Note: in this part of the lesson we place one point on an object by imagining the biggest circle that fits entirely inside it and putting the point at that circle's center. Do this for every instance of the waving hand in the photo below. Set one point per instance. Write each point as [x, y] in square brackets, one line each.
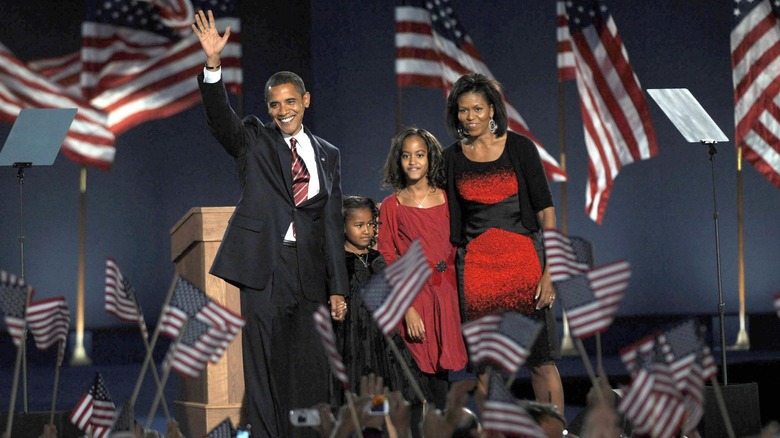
[210, 39]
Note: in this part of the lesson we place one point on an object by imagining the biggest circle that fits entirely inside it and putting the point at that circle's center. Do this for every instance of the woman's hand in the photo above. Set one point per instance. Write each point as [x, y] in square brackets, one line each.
[415, 328]
[545, 292]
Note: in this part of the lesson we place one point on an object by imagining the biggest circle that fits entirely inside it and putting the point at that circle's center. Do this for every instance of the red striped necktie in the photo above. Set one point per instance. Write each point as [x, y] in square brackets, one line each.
[300, 175]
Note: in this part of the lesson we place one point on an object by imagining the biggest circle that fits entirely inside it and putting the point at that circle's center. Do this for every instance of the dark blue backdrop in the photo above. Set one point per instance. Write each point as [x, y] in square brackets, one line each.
[659, 217]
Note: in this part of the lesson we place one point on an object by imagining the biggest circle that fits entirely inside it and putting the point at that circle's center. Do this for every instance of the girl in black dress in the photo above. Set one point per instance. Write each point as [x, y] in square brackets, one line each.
[363, 347]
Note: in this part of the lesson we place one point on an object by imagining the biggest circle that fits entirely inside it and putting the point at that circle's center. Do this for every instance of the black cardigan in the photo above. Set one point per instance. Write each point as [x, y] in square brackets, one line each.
[534, 193]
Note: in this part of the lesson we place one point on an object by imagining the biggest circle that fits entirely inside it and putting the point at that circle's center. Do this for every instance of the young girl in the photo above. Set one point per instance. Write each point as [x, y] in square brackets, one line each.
[363, 346]
[418, 211]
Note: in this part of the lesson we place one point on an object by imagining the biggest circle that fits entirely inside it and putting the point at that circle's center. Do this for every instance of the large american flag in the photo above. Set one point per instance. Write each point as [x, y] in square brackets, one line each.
[388, 294]
[591, 300]
[503, 414]
[504, 339]
[88, 142]
[755, 60]
[121, 299]
[49, 321]
[13, 301]
[322, 323]
[95, 410]
[189, 302]
[139, 58]
[616, 119]
[434, 50]
[567, 67]
[563, 259]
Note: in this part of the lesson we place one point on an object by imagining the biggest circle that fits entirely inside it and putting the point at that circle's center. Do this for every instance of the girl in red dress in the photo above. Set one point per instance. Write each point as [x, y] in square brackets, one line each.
[418, 211]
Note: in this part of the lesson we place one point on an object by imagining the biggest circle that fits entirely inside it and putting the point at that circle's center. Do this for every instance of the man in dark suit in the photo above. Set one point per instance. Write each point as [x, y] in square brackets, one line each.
[284, 246]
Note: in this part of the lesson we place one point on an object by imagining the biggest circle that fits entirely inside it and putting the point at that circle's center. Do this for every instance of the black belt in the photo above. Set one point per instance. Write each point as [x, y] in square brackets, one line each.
[289, 243]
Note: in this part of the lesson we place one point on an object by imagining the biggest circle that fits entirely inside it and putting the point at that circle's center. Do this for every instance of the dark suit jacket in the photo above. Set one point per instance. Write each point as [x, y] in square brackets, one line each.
[253, 240]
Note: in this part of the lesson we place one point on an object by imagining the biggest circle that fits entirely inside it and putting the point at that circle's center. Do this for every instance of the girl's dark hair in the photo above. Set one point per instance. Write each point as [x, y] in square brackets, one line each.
[352, 203]
[394, 175]
[490, 89]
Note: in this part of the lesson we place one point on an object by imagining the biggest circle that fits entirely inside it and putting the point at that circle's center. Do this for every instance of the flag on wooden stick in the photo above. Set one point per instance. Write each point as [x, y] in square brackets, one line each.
[504, 339]
[95, 412]
[49, 321]
[591, 300]
[322, 323]
[121, 299]
[389, 293]
[13, 303]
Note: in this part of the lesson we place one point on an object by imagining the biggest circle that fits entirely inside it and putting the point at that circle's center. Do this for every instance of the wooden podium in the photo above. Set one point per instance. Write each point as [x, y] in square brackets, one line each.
[204, 402]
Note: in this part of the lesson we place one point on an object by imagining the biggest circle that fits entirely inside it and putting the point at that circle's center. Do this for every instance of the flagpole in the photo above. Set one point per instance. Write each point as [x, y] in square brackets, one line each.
[141, 326]
[722, 406]
[589, 369]
[743, 342]
[567, 344]
[166, 374]
[148, 357]
[405, 367]
[80, 356]
[56, 383]
[352, 410]
[19, 353]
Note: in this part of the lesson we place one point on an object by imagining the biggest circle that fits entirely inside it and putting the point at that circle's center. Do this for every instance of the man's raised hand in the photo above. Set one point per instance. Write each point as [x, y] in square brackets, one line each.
[210, 40]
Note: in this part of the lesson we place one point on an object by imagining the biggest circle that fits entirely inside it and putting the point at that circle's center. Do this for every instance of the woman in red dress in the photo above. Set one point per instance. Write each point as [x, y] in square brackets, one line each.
[418, 211]
[499, 204]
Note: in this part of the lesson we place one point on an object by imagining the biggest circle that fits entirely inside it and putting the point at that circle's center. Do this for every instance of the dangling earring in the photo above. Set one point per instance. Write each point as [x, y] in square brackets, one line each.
[493, 126]
[460, 132]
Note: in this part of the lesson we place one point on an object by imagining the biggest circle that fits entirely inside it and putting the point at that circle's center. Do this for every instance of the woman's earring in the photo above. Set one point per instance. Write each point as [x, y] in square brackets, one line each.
[460, 132]
[493, 125]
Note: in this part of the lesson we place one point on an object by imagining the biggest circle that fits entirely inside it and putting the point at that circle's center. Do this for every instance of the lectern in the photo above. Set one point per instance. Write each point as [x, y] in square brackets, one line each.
[204, 402]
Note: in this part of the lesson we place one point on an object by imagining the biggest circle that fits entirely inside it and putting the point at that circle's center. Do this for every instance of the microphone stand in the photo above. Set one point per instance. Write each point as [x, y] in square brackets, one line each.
[721, 304]
[20, 174]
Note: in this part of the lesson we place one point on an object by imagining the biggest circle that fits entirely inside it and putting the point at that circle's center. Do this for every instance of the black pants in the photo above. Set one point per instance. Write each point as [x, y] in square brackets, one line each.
[285, 366]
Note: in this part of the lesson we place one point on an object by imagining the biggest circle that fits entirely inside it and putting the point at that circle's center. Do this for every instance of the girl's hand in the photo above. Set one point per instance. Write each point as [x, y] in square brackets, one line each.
[415, 328]
[545, 292]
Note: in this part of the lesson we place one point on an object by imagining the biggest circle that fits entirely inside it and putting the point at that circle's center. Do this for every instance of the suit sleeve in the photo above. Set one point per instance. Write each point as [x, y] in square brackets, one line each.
[334, 236]
[225, 125]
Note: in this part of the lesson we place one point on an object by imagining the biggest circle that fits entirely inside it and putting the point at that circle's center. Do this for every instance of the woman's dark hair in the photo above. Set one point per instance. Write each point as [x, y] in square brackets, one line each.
[394, 174]
[352, 203]
[490, 89]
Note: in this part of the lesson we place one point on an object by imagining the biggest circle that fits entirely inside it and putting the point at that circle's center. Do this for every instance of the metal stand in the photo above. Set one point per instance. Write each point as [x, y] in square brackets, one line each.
[23, 346]
[721, 304]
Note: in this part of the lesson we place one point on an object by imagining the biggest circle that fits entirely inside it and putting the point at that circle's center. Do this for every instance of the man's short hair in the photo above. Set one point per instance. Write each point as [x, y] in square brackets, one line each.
[285, 77]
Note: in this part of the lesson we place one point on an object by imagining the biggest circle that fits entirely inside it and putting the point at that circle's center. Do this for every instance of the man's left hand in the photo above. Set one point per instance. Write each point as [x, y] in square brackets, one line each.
[338, 307]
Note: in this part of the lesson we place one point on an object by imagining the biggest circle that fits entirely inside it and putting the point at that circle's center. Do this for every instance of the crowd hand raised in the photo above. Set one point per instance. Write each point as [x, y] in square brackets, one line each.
[371, 386]
[415, 329]
[345, 424]
[437, 424]
[327, 420]
[210, 39]
[399, 413]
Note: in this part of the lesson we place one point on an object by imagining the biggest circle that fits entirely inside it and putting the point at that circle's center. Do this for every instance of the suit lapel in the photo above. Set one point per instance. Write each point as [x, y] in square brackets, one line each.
[285, 161]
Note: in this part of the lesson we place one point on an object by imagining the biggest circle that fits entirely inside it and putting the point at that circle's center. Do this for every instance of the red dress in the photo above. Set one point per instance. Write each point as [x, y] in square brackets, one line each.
[502, 266]
[437, 303]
